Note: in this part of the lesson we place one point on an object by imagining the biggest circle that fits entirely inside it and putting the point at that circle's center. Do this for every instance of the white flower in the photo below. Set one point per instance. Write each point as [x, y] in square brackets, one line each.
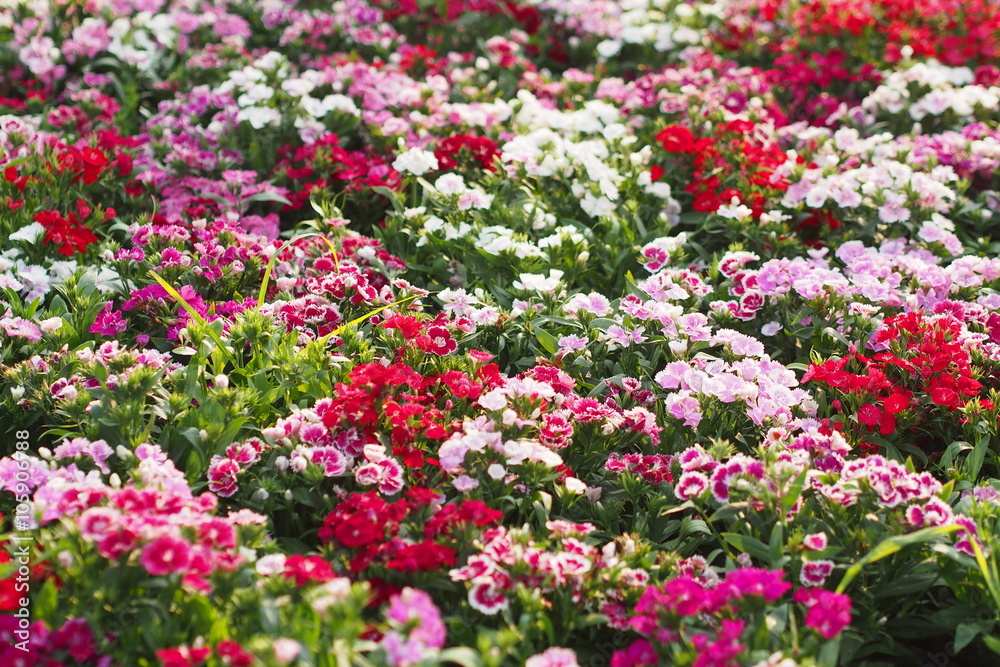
[494, 399]
[416, 161]
[735, 210]
[608, 48]
[596, 207]
[270, 565]
[313, 107]
[259, 117]
[51, 324]
[450, 184]
[770, 328]
[297, 87]
[343, 104]
[539, 282]
[474, 198]
[257, 93]
[31, 233]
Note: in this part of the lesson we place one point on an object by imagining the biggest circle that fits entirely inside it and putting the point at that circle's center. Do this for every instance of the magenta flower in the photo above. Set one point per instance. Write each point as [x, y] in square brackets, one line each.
[108, 322]
[640, 653]
[829, 613]
[166, 555]
[768, 584]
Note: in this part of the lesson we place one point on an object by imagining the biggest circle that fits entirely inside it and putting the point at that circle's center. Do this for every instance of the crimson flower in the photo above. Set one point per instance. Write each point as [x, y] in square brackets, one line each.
[70, 234]
[676, 139]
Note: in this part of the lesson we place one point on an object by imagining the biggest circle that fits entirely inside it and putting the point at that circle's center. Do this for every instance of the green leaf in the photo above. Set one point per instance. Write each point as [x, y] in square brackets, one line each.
[777, 544]
[974, 462]
[268, 196]
[547, 340]
[829, 653]
[965, 633]
[749, 545]
[794, 491]
[460, 655]
[992, 643]
[893, 545]
[46, 601]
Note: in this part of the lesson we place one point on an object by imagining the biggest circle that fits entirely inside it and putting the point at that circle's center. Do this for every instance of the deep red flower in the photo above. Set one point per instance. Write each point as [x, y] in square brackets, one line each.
[422, 557]
[70, 234]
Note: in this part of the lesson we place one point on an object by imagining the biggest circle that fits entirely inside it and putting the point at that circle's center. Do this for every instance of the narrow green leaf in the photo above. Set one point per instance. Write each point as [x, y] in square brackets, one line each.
[893, 545]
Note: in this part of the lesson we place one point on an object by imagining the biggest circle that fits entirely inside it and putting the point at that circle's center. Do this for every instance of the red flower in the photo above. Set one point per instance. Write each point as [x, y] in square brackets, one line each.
[897, 402]
[408, 326]
[410, 456]
[422, 557]
[94, 161]
[182, 656]
[676, 139]
[71, 235]
[437, 340]
[231, 653]
[307, 568]
[869, 415]
[944, 396]
[358, 531]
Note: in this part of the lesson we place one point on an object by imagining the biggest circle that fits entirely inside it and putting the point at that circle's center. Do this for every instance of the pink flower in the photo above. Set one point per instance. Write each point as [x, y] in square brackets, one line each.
[572, 343]
[285, 650]
[387, 474]
[331, 459]
[815, 572]
[96, 521]
[465, 484]
[640, 653]
[829, 613]
[22, 328]
[108, 322]
[222, 476]
[553, 657]
[594, 304]
[684, 406]
[768, 584]
[815, 541]
[691, 485]
[117, 543]
[485, 598]
[166, 555]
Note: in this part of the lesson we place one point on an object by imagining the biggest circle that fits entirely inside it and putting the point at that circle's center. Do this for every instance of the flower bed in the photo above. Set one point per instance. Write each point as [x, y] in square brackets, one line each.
[499, 332]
